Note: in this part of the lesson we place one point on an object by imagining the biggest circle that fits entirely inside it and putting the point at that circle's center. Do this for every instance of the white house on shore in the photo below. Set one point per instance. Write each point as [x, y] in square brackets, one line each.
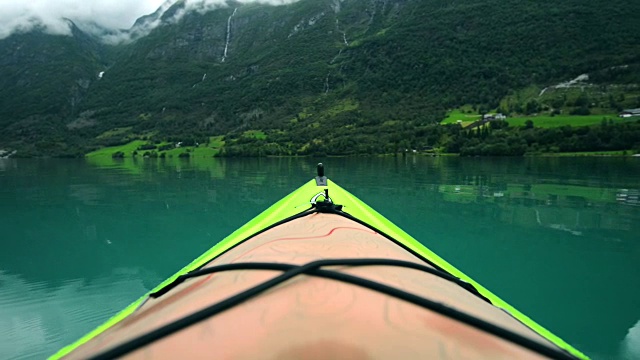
[492, 117]
[629, 113]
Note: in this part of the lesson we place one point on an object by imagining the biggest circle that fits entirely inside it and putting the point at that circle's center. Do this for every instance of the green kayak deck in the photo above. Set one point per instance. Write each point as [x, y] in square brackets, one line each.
[299, 201]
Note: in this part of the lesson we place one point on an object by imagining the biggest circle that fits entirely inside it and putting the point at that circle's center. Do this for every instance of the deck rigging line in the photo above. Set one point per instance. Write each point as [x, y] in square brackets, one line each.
[315, 269]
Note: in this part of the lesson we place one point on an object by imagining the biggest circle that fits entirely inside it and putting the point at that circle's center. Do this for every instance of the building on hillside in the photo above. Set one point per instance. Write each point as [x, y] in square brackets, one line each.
[493, 117]
[629, 113]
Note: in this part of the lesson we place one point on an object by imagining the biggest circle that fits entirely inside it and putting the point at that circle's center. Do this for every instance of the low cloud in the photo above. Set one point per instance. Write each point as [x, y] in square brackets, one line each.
[207, 5]
[110, 19]
[51, 15]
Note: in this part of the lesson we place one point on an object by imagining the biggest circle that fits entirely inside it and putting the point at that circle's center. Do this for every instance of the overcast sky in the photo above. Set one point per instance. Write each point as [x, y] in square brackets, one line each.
[23, 15]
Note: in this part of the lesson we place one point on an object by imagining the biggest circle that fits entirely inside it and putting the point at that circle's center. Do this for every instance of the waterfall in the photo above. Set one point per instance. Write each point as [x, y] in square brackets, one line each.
[226, 45]
[326, 83]
[344, 33]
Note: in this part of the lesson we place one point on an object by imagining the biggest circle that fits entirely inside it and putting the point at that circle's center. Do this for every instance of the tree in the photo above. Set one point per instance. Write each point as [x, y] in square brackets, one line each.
[532, 107]
[583, 110]
[498, 124]
[557, 103]
[582, 101]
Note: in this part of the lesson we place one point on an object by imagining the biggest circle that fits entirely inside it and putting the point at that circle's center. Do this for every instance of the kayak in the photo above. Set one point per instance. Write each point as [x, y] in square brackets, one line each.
[319, 275]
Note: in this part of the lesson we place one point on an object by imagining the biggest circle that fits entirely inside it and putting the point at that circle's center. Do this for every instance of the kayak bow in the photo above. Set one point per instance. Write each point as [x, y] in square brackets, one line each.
[320, 274]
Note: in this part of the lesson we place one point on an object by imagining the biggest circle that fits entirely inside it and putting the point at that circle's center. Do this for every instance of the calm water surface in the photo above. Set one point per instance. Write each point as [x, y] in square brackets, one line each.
[557, 238]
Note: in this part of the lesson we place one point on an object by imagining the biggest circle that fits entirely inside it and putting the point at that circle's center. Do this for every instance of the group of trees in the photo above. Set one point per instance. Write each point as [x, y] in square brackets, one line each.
[494, 139]
[500, 140]
[605, 137]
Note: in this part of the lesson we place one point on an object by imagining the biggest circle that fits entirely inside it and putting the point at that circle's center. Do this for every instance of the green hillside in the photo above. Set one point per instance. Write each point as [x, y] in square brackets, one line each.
[317, 76]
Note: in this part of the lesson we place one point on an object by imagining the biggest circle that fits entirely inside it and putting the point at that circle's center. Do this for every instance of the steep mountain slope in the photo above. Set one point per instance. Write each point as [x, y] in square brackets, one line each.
[314, 76]
[43, 80]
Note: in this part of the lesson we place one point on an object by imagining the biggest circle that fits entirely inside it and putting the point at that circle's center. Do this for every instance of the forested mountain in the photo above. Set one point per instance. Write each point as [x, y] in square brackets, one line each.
[360, 76]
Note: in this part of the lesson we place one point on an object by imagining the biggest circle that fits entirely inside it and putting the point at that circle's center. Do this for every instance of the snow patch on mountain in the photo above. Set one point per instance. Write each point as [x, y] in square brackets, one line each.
[306, 23]
[579, 81]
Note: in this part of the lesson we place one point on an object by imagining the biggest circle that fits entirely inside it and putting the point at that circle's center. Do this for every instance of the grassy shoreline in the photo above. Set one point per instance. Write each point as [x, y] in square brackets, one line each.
[616, 153]
[467, 117]
[132, 149]
[214, 148]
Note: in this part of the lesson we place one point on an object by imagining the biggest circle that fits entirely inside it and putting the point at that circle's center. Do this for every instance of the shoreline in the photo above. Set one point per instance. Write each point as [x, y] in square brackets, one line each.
[4, 154]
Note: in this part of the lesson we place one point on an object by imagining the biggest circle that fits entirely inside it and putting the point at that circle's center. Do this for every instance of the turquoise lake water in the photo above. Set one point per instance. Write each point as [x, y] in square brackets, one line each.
[558, 238]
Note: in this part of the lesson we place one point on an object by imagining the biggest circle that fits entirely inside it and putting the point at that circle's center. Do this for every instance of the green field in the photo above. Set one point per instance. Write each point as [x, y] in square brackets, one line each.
[543, 121]
[562, 120]
[216, 142]
[127, 149]
[462, 115]
[200, 151]
[255, 134]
